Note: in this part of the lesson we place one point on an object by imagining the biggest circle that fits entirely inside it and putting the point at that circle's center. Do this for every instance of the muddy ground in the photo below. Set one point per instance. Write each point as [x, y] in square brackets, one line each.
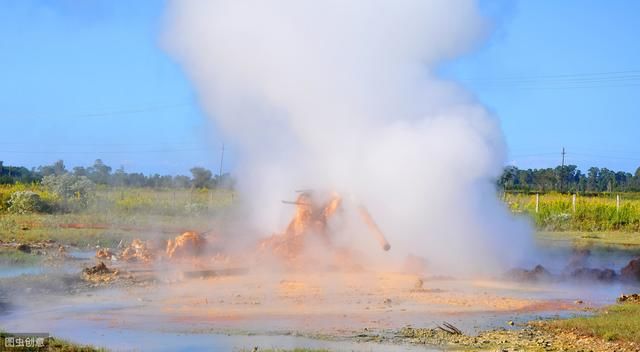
[123, 303]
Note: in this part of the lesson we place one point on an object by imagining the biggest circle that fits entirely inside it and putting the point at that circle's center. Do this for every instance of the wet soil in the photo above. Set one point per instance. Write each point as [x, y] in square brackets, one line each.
[158, 302]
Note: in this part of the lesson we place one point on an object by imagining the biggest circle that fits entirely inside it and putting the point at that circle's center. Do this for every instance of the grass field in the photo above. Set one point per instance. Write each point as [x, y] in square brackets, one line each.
[10, 257]
[113, 214]
[593, 213]
[617, 322]
[137, 201]
[613, 238]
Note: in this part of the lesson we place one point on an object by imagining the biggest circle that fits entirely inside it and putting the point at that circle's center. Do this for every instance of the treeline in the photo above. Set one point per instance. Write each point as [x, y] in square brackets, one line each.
[102, 174]
[569, 179]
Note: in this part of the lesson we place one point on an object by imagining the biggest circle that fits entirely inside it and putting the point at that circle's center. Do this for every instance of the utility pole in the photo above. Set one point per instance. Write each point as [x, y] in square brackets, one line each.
[221, 160]
[562, 171]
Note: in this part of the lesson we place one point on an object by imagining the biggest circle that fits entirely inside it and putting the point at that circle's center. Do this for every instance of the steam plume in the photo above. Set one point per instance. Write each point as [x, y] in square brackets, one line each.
[342, 95]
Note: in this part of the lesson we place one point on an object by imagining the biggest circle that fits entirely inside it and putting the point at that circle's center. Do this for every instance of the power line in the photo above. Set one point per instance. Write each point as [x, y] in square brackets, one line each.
[611, 79]
[110, 113]
[561, 76]
[95, 144]
[104, 151]
[607, 156]
[534, 154]
[576, 156]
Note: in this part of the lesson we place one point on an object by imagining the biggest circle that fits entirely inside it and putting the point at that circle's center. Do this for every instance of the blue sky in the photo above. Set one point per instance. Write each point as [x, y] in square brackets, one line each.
[81, 80]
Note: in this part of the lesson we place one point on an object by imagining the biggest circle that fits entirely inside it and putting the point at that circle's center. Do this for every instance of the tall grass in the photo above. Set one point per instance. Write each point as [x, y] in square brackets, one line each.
[592, 213]
[618, 322]
[130, 201]
[114, 213]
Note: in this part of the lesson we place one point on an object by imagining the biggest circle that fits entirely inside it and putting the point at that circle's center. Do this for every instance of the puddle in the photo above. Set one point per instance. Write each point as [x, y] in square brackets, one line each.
[244, 311]
[555, 255]
[74, 264]
[14, 271]
[99, 335]
[82, 255]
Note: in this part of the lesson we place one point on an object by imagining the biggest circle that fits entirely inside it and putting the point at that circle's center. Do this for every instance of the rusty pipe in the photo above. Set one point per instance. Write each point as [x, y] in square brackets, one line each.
[366, 217]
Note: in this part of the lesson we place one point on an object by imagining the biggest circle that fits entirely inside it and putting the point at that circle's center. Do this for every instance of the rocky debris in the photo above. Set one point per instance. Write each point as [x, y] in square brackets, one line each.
[533, 337]
[138, 250]
[98, 269]
[538, 273]
[578, 258]
[282, 246]
[594, 274]
[306, 220]
[100, 274]
[188, 244]
[631, 272]
[23, 247]
[105, 253]
[632, 298]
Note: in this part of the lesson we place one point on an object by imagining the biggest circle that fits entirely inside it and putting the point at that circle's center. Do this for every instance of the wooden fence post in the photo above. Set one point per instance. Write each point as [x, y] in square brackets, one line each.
[617, 202]
[537, 201]
[574, 203]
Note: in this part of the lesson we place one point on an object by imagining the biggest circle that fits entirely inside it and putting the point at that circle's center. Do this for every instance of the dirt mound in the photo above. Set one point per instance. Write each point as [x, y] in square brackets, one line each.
[105, 253]
[631, 272]
[310, 219]
[632, 298]
[578, 258]
[23, 247]
[188, 244]
[137, 251]
[538, 273]
[98, 269]
[99, 273]
[285, 247]
[593, 274]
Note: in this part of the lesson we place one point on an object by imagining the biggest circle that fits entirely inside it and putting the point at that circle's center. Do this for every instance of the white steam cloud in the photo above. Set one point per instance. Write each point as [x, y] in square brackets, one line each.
[342, 95]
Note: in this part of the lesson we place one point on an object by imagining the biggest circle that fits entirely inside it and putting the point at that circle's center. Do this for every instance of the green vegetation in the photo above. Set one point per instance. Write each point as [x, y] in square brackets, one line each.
[287, 350]
[619, 322]
[101, 174]
[52, 344]
[58, 345]
[614, 239]
[111, 214]
[10, 256]
[592, 213]
[25, 202]
[569, 178]
[121, 201]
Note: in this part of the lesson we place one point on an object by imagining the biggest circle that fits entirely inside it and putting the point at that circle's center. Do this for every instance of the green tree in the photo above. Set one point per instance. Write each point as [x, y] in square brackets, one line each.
[593, 176]
[74, 191]
[201, 177]
[25, 202]
[56, 168]
[182, 181]
[99, 172]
